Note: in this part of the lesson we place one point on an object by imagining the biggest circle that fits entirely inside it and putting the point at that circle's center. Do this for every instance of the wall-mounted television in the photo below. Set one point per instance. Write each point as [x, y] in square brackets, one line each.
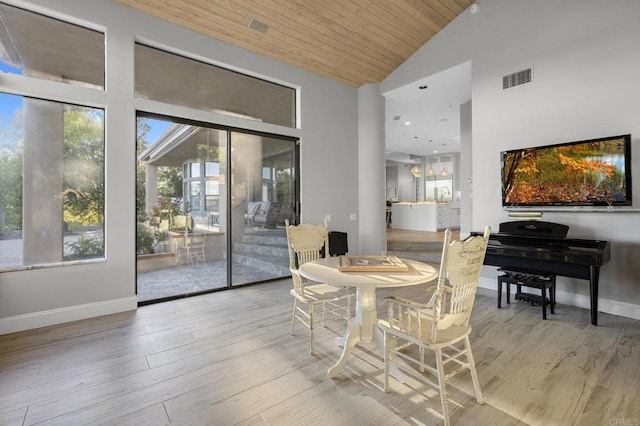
[594, 172]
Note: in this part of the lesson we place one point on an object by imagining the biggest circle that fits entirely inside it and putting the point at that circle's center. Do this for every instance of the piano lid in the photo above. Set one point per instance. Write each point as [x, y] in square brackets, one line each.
[534, 228]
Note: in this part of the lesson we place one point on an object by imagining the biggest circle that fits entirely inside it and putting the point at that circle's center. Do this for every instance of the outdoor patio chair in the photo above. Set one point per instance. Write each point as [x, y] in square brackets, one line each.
[192, 248]
[441, 325]
[313, 303]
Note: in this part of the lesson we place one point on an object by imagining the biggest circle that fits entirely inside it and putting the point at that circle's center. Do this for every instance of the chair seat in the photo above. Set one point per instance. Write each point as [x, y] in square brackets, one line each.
[444, 338]
[321, 293]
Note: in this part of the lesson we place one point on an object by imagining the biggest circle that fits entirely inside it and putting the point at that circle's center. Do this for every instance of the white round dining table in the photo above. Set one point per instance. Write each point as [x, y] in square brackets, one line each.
[362, 327]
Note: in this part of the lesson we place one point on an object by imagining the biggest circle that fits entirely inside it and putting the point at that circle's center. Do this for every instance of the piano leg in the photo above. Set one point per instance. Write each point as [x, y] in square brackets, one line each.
[594, 272]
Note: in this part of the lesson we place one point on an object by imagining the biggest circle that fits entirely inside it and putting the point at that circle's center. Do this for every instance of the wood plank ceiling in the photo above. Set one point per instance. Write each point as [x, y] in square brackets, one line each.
[351, 41]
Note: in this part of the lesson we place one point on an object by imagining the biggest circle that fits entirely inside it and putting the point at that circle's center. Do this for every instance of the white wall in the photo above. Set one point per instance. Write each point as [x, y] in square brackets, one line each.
[585, 61]
[328, 137]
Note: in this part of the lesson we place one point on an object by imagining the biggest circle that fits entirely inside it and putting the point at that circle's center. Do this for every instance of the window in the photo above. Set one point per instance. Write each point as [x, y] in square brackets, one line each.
[38, 46]
[195, 170]
[174, 79]
[212, 186]
[195, 195]
[51, 182]
[212, 169]
[51, 149]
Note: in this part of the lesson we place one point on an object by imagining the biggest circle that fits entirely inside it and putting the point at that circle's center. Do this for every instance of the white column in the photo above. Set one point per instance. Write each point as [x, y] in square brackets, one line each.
[43, 162]
[371, 171]
[151, 186]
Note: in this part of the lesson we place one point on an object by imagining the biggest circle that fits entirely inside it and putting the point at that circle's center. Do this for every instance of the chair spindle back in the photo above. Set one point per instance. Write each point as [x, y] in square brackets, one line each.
[305, 242]
[460, 269]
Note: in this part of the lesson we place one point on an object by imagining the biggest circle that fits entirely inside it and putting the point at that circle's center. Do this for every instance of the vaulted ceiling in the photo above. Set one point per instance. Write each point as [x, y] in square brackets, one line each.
[351, 41]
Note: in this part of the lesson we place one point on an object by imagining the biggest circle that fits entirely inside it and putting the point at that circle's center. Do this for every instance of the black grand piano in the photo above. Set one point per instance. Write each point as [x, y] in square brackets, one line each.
[543, 246]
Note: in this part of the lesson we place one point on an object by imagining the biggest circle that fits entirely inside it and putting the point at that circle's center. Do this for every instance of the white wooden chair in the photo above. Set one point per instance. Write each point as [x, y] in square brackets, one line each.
[192, 248]
[196, 248]
[441, 325]
[313, 303]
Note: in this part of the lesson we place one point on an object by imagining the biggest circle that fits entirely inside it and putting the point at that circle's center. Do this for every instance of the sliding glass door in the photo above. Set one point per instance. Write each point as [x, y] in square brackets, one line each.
[264, 192]
[193, 234]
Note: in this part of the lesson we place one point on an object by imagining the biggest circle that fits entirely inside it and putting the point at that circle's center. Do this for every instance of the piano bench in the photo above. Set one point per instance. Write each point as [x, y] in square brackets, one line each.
[529, 278]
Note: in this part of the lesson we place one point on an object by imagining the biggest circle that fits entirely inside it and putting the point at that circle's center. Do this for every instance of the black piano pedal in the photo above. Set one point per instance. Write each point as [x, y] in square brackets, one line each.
[532, 299]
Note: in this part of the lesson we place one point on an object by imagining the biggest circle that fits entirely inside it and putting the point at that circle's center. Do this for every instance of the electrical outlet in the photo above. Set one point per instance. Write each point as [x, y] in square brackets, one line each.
[327, 217]
[353, 216]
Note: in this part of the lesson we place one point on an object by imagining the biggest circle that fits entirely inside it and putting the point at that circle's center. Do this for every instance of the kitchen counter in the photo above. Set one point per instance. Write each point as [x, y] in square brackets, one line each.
[425, 216]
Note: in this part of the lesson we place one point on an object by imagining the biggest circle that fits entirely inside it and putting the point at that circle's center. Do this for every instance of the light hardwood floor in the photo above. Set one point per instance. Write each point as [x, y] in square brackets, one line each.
[227, 358]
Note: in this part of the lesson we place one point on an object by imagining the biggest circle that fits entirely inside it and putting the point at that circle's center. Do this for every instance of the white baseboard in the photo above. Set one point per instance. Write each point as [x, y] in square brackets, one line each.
[613, 307]
[67, 314]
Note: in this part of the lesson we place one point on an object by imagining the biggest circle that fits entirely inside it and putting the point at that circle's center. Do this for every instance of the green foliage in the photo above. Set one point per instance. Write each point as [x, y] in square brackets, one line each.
[169, 184]
[145, 240]
[156, 211]
[170, 181]
[142, 144]
[165, 208]
[284, 185]
[85, 247]
[11, 133]
[185, 209]
[74, 227]
[83, 148]
[148, 239]
[160, 236]
[209, 152]
[169, 207]
[11, 186]
[143, 216]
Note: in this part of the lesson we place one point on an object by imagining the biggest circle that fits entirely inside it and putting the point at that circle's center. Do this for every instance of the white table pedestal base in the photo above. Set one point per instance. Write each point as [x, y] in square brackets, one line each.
[363, 328]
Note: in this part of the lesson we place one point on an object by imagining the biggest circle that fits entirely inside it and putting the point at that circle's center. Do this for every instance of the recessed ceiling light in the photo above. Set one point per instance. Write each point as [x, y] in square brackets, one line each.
[406, 123]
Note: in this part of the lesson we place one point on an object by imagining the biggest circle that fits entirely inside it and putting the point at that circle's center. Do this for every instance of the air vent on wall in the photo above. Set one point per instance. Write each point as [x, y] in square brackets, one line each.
[517, 78]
